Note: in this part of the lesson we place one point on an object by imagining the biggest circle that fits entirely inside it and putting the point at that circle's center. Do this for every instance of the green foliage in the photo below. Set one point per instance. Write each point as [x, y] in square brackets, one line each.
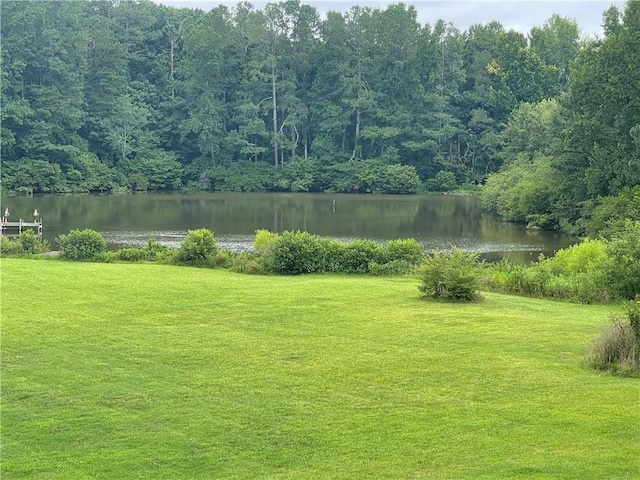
[633, 314]
[392, 268]
[10, 247]
[451, 276]
[357, 255]
[299, 175]
[379, 178]
[407, 250]
[584, 257]
[622, 271]
[249, 263]
[295, 253]
[26, 243]
[264, 242]
[524, 192]
[154, 250]
[610, 214]
[129, 254]
[574, 274]
[140, 96]
[242, 176]
[30, 176]
[617, 349]
[84, 244]
[198, 248]
[155, 172]
[442, 182]
[30, 244]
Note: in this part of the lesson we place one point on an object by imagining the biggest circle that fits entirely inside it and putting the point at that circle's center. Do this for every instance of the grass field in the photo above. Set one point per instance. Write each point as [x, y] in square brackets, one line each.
[147, 371]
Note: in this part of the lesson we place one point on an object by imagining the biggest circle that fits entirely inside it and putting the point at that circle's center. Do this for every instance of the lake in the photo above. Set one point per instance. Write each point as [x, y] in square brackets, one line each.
[436, 221]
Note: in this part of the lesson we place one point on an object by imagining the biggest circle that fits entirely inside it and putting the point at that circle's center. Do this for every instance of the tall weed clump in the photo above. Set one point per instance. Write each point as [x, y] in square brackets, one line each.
[617, 349]
[451, 276]
[84, 244]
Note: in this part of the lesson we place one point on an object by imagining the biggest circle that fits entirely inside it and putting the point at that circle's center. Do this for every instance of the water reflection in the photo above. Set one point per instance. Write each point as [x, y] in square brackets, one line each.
[438, 222]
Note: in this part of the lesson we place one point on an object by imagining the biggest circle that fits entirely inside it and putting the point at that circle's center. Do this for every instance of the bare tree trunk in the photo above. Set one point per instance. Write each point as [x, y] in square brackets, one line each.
[275, 113]
[357, 135]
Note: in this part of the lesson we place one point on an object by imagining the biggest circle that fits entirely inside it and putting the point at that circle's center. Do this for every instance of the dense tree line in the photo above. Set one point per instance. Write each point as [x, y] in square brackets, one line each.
[105, 95]
[574, 162]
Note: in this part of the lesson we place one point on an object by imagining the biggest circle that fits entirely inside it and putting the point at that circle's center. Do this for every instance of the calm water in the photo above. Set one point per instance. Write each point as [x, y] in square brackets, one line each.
[438, 222]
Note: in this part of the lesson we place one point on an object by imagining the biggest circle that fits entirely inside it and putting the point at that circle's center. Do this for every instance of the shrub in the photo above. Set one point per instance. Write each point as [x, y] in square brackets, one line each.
[617, 350]
[199, 248]
[525, 280]
[356, 256]
[249, 263]
[9, 247]
[333, 251]
[30, 244]
[130, 254]
[407, 250]
[297, 252]
[451, 276]
[26, 243]
[264, 242]
[84, 244]
[575, 274]
[395, 267]
[585, 257]
[442, 182]
[583, 288]
[154, 250]
[622, 270]
[633, 314]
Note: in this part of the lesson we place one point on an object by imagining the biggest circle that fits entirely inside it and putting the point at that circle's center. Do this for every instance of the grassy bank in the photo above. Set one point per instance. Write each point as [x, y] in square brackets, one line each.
[116, 371]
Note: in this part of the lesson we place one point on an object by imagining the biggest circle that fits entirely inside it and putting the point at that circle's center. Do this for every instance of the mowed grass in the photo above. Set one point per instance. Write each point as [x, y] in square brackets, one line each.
[159, 372]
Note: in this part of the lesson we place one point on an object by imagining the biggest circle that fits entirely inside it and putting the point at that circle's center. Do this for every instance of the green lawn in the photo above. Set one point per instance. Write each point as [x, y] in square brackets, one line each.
[148, 371]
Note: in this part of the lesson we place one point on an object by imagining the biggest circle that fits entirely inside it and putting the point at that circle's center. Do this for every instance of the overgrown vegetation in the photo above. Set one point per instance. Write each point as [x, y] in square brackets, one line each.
[594, 271]
[451, 276]
[26, 243]
[617, 349]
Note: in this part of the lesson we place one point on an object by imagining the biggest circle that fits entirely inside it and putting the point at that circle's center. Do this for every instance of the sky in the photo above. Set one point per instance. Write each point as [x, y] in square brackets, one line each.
[520, 15]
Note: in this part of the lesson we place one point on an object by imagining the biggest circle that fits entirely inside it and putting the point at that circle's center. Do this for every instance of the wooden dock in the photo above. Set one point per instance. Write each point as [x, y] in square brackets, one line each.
[13, 229]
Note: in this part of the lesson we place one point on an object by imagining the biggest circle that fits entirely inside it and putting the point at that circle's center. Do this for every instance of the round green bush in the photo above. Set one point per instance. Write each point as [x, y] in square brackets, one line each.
[199, 248]
[406, 250]
[297, 252]
[84, 244]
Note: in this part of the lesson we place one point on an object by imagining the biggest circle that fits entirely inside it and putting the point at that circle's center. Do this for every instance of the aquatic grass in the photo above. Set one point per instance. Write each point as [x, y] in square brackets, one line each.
[156, 371]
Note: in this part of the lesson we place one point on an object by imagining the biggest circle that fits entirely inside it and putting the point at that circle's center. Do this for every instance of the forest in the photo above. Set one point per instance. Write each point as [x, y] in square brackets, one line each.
[112, 96]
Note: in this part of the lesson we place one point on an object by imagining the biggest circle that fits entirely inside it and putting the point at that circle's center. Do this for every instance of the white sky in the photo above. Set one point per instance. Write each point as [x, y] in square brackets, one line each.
[519, 15]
